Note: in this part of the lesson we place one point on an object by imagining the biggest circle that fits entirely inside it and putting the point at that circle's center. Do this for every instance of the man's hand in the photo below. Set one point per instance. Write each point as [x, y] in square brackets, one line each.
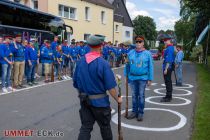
[149, 83]
[119, 100]
[10, 62]
[30, 64]
[176, 66]
[165, 72]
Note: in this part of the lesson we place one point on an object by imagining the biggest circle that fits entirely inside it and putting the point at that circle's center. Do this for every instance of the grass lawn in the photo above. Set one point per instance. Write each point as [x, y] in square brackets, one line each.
[202, 112]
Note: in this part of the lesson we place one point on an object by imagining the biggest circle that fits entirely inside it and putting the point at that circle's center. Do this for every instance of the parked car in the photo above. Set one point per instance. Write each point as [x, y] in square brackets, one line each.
[155, 54]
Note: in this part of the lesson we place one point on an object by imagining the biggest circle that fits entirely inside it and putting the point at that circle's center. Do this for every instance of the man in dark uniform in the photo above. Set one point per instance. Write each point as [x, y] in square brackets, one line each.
[168, 67]
[92, 78]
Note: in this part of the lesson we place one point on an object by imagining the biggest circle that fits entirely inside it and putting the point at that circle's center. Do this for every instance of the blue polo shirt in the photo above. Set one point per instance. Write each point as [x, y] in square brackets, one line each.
[74, 53]
[54, 45]
[94, 78]
[179, 57]
[32, 55]
[5, 51]
[169, 57]
[82, 51]
[19, 53]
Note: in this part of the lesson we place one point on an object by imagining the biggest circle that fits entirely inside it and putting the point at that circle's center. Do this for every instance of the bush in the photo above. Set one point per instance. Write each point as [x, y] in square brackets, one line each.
[197, 54]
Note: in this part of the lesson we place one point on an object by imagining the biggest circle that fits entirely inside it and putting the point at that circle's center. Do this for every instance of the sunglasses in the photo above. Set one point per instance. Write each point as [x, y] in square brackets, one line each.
[139, 41]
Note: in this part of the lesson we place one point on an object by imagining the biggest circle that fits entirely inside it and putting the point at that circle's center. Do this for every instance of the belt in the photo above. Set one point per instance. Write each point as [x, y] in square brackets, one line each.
[98, 96]
[138, 74]
[19, 57]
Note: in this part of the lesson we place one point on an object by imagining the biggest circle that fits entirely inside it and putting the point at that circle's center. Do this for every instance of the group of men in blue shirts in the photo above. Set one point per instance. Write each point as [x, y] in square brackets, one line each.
[21, 57]
[115, 55]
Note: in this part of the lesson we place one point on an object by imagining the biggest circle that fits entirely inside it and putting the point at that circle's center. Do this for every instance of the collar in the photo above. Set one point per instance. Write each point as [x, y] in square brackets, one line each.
[139, 51]
[169, 45]
[92, 56]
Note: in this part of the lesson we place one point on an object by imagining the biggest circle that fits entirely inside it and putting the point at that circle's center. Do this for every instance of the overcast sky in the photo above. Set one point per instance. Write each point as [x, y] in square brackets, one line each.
[164, 12]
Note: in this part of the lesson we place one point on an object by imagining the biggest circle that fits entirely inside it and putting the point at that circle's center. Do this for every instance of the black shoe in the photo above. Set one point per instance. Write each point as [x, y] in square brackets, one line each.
[131, 116]
[35, 83]
[179, 84]
[22, 86]
[164, 99]
[30, 84]
[140, 118]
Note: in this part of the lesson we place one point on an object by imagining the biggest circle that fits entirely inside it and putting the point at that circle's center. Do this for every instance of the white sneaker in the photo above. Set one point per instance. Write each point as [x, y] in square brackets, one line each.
[10, 89]
[64, 77]
[37, 75]
[68, 77]
[4, 90]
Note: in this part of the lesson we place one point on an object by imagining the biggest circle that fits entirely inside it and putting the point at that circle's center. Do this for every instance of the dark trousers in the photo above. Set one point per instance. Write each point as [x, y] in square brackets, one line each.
[88, 116]
[168, 83]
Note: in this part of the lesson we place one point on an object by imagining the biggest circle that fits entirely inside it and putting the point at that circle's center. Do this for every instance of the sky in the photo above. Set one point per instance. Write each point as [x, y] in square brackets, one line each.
[164, 12]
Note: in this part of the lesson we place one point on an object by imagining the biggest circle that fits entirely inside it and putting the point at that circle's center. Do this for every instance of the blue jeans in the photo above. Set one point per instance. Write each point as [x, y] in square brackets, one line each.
[6, 75]
[138, 96]
[31, 72]
[179, 73]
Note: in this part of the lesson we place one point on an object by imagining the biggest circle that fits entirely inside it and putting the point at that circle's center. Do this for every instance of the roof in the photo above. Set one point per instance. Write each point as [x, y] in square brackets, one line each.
[103, 3]
[121, 13]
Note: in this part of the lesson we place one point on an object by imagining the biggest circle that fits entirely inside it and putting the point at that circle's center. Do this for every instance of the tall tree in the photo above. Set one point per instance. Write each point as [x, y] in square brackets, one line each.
[145, 26]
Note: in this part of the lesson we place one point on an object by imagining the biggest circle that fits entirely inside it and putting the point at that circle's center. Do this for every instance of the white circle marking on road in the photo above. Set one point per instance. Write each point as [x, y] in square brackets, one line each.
[187, 102]
[188, 86]
[182, 122]
[113, 111]
[188, 92]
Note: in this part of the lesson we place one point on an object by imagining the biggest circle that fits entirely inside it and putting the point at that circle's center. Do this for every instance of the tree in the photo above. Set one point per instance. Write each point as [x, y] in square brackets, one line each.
[199, 11]
[145, 26]
[185, 35]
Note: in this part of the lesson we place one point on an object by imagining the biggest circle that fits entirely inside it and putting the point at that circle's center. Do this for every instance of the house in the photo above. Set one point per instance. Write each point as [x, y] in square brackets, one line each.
[123, 26]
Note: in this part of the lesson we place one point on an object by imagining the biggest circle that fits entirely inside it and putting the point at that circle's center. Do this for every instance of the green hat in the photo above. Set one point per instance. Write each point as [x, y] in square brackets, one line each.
[95, 40]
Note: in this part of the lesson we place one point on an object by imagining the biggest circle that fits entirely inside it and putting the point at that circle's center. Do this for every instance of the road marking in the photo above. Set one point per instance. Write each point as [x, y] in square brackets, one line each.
[40, 85]
[188, 92]
[182, 122]
[113, 111]
[188, 85]
[187, 102]
[44, 84]
[154, 84]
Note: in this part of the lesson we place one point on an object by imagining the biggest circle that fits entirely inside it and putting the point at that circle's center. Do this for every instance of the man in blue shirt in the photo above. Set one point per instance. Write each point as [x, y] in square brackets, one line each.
[168, 67]
[140, 74]
[19, 65]
[178, 63]
[54, 44]
[47, 59]
[6, 59]
[73, 58]
[32, 61]
[92, 78]
[66, 55]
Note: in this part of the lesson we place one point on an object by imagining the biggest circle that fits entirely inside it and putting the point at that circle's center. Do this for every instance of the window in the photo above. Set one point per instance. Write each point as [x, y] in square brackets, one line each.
[35, 4]
[87, 13]
[67, 12]
[118, 5]
[60, 9]
[72, 13]
[86, 36]
[103, 17]
[127, 33]
[117, 28]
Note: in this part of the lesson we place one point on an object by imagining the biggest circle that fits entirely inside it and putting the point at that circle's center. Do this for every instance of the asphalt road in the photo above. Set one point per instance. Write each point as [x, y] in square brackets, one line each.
[56, 107]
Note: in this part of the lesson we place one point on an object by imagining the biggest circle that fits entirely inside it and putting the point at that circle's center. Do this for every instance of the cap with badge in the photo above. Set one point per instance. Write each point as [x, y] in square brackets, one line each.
[95, 40]
[166, 37]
